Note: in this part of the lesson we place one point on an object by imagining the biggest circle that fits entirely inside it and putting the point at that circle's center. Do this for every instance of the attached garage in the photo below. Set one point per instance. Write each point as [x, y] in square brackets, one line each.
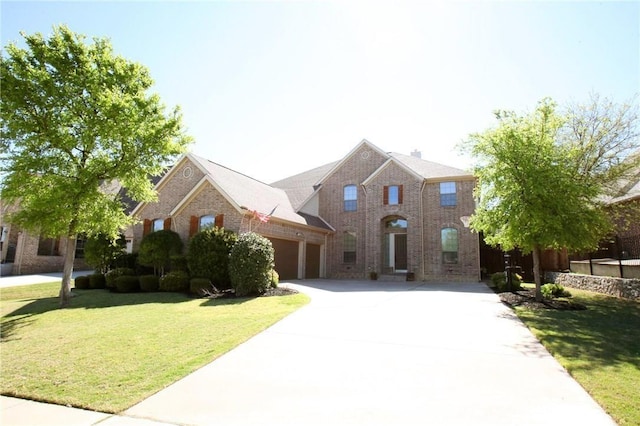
[312, 261]
[286, 258]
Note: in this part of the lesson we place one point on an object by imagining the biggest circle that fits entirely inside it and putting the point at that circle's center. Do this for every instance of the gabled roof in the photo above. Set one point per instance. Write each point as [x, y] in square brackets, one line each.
[247, 193]
[429, 169]
[388, 163]
[300, 187]
[340, 163]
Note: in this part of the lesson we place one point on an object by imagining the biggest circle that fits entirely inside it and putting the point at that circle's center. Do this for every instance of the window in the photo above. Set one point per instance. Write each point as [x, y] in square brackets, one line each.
[158, 225]
[206, 221]
[449, 238]
[396, 224]
[392, 195]
[350, 198]
[48, 246]
[448, 194]
[80, 243]
[349, 247]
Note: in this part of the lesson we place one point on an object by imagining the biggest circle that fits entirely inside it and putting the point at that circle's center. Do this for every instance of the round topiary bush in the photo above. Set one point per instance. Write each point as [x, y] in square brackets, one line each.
[157, 248]
[250, 264]
[175, 281]
[149, 282]
[208, 255]
[200, 286]
[97, 281]
[113, 274]
[127, 284]
[82, 282]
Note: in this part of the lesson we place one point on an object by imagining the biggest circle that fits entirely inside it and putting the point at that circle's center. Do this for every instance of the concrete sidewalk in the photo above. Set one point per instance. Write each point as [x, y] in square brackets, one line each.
[16, 280]
[373, 353]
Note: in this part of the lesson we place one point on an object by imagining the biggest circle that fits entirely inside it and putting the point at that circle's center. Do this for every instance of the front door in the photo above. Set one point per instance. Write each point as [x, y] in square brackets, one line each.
[396, 252]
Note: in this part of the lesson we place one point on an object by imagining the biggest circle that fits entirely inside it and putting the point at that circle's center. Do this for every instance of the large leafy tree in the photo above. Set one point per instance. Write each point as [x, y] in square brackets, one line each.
[76, 118]
[543, 176]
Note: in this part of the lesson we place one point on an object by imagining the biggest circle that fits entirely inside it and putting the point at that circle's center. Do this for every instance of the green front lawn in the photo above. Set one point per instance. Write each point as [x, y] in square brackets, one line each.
[108, 351]
[599, 346]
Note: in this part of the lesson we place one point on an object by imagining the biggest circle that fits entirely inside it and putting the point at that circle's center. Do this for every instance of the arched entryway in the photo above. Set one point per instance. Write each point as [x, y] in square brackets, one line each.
[394, 245]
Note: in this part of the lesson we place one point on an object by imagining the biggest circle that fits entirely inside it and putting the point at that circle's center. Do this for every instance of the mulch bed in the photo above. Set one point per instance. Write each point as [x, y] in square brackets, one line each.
[230, 294]
[527, 298]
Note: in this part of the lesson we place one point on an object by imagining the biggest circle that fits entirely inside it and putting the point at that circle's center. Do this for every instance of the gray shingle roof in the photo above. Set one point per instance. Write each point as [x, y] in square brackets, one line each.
[299, 187]
[429, 169]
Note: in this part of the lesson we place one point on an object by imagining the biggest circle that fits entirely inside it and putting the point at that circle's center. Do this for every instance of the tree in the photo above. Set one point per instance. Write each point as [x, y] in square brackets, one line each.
[100, 251]
[75, 118]
[157, 248]
[541, 179]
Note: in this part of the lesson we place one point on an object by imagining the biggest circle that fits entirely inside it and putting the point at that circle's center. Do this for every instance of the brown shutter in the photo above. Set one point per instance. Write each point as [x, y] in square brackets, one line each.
[219, 221]
[194, 224]
[385, 195]
[146, 229]
[399, 194]
[167, 223]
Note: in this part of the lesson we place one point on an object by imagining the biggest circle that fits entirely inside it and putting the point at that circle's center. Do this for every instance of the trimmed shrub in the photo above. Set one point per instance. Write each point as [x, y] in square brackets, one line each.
[97, 281]
[100, 251]
[149, 282]
[208, 255]
[82, 282]
[179, 263]
[113, 274]
[157, 248]
[250, 264]
[127, 284]
[200, 286]
[549, 291]
[275, 278]
[175, 281]
[499, 281]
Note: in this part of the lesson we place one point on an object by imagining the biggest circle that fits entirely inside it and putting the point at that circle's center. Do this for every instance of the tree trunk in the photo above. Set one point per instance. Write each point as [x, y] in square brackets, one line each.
[537, 272]
[69, 257]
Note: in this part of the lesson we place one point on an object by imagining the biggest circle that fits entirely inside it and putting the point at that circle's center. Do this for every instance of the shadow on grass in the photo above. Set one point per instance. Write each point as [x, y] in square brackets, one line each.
[97, 299]
[604, 334]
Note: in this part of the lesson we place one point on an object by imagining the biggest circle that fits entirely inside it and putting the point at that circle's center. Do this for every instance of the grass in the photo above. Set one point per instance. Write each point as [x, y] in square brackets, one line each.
[599, 347]
[109, 351]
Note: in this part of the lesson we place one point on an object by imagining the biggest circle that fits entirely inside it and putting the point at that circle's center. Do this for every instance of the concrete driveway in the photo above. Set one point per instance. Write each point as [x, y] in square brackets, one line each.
[375, 353]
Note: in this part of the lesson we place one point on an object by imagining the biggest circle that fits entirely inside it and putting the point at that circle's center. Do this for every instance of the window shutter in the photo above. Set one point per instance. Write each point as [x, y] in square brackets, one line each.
[193, 225]
[146, 229]
[219, 221]
[167, 223]
[385, 195]
[399, 194]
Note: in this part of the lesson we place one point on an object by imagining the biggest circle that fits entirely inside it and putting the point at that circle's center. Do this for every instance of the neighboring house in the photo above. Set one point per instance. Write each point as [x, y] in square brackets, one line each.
[29, 253]
[372, 211]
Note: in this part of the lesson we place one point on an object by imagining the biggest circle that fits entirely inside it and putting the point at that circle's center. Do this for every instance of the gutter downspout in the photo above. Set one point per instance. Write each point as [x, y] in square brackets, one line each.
[422, 254]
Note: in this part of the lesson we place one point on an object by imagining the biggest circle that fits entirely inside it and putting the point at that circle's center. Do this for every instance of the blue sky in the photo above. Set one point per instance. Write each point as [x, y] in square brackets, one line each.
[271, 89]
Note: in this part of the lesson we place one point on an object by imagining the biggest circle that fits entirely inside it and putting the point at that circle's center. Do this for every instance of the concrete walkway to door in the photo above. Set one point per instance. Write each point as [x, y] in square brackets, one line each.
[375, 353]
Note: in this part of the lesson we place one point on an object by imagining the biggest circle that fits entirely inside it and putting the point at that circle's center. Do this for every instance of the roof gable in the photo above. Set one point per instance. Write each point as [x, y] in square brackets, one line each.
[390, 162]
[347, 157]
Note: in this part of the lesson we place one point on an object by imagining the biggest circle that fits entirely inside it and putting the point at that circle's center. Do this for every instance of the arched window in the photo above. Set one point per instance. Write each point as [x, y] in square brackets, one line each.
[350, 198]
[206, 221]
[449, 238]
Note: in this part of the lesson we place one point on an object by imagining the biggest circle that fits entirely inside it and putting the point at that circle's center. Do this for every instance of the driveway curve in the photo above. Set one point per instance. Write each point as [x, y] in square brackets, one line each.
[378, 353]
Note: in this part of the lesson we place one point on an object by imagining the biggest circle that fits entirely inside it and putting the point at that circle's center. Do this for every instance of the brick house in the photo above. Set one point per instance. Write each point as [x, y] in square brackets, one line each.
[371, 211]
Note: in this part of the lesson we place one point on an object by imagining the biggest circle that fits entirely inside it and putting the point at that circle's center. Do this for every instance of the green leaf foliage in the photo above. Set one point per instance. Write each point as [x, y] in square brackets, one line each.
[101, 251]
[208, 255]
[78, 122]
[157, 248]
[250, 263]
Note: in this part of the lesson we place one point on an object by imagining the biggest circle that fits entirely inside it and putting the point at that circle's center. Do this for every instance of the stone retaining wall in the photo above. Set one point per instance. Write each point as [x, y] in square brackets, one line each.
[628, 288]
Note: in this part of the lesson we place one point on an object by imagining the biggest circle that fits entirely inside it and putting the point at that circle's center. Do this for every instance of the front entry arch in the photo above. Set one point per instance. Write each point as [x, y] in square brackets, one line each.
[394, 245]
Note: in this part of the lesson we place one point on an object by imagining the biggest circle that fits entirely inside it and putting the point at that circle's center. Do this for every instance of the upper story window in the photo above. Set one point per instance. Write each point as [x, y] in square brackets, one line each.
[392, 195]
[48, 246]
[350, 198]
[449, 237]
[448, 194]
[206, 221]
